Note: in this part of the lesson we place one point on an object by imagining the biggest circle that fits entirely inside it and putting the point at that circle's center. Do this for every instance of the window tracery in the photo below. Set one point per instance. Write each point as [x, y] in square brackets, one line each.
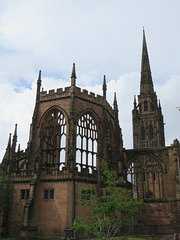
[54, 140]
[86, 143]
[145, 172]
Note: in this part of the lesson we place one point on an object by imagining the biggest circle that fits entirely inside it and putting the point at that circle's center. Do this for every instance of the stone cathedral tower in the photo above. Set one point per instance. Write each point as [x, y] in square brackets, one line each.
[148, 124]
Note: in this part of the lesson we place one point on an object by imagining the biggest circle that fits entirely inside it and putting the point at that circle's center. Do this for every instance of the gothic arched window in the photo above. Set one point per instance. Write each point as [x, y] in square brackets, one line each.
[86, 143]
[54, 140]
[142, 133]
[145, 106]
[146, 173]
[150, 132]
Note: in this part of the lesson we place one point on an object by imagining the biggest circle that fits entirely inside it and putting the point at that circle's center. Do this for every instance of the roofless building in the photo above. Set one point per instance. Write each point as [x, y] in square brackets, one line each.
[71, 133]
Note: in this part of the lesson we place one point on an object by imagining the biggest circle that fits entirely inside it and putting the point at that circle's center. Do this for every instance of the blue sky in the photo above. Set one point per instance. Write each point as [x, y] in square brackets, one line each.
[101, 37]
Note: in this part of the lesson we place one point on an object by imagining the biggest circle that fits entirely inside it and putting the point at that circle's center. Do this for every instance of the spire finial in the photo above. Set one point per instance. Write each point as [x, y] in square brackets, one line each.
[39, 79]
[9, 141]
[159, 104]
[15, 130]
[134, 101]
[73, 76]
[104, 87]
[115, 102]
[38, 86]
[146, 78]
[14, 141]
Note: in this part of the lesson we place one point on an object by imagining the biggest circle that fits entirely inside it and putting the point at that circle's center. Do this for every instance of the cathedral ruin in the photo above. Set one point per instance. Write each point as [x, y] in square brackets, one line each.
[71, 133]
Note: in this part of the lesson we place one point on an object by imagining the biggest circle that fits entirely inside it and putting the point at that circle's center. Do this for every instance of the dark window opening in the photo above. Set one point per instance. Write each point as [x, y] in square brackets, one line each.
[49, 194]
[45, 194]
[145, 106]
[150, 195]
[86, 193]
[24, 194]
[142, 133]
[150, 132]
[144, 177]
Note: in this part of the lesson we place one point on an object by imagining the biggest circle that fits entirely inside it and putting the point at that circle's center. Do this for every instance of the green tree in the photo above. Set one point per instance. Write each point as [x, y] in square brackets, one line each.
[111, 211]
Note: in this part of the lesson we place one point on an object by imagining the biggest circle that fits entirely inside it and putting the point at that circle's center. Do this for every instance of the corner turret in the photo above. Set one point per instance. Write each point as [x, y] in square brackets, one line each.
[73, 76]
[104, 87]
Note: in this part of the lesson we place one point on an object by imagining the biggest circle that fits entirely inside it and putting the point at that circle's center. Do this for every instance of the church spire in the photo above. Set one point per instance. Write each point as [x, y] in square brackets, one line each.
[73, 76]
[146, 78]
[147, 113]
[37, 95]
[104, 87]
[14, 141]
[115, 104]
[135, 104]
[9, 142]
[159, 104]
[38, 86]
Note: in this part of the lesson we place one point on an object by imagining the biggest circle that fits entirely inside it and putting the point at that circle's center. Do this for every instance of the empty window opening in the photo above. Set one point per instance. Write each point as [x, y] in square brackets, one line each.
[86, 143]
[24, 195]
[49, 194]
[146, 173]
[54, 140]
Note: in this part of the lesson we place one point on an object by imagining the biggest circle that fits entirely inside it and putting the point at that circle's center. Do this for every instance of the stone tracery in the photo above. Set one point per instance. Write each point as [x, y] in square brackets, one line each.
[145, 172]
[54, 139]
[86, 143]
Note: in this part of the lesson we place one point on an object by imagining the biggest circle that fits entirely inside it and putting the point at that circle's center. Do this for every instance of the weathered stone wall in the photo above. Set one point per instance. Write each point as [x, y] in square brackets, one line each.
[16, 209]
[157, 218]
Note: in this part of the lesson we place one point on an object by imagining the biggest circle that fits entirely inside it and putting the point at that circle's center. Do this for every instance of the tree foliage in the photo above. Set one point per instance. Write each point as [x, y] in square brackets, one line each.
[111, 211]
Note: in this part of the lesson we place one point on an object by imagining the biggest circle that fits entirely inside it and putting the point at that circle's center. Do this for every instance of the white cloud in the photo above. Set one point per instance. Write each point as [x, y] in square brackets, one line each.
[101, 37]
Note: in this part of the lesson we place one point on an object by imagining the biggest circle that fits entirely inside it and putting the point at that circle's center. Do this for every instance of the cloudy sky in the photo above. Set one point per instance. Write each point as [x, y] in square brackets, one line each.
[103, 37]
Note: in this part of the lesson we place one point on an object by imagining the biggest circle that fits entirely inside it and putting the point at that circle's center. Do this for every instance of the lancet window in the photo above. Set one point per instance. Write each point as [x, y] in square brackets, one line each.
[146, 173]
[150, 132]
[86, 143]
[145, 106]
[54, 140]
[142, 133]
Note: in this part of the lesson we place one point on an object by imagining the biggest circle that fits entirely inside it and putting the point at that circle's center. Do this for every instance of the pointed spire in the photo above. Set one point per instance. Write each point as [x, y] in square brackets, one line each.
[39, 78]
[104, 87]
[135, 104]
[159, 104]
[38, 86]
[14, 141]
[134, 100]
[73, 76]
[146, 78]
[19, 148]
[115, 103]
[15, 131]
[9, 141]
